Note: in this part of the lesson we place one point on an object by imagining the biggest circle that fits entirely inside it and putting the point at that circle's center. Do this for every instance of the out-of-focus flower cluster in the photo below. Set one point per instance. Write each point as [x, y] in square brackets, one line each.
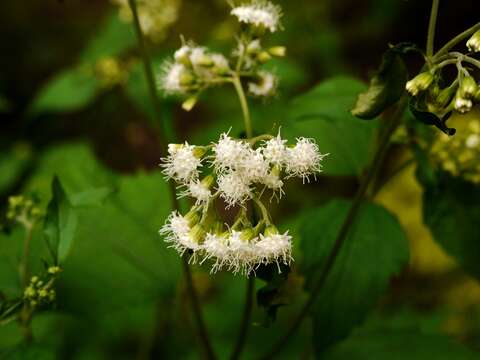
[239, 172]
[459, 155]
[195, 68]
[155, 16]
[461, 94]
[23, 210]
[40, 290]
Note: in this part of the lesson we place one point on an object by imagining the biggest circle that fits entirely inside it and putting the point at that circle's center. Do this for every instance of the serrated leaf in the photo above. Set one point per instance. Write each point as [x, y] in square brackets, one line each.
[323, 114]
[375, 250]
[60, 223]
[69, 90]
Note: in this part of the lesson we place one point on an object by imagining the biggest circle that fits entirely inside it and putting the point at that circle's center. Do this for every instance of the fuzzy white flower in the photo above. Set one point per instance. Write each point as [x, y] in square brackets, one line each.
[234, 190]
[181, 164]
[243, 255]
[273, 182]
[216, 247]
[275, 150]
[229, 153]
[173, 78]
[463, 105]
[176, 230]
[182, 54]
[304, 159]
[254, 167]
[197, 190]
[275, 248]
[260, 14]
[265, 86]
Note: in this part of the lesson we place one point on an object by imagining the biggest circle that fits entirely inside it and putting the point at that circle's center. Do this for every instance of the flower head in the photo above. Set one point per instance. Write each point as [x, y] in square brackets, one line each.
[233, 188]
[265, 86]
[304, 159]
[182, 163]
[229, 153]
[275, 151]
[199, 190]
[243, 254]
[254, 167]
[259, 13]
[275, 248]
[473, 44]
[216, 247]
[175, 78]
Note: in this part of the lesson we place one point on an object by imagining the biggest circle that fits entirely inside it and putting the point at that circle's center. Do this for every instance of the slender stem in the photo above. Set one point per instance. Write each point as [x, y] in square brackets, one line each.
[343, 232]
[431, 28]
[24, 270]
[247, 313]
[147, 64]
[243, 103]
[156, 103]
[197, 311]
[456, 40]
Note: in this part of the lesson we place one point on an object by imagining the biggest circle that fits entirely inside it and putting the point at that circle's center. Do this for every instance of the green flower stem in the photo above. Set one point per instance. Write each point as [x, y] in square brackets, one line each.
[319, 281]
[247, 310]
[431, 28]
[157, 125]
[25, 315]
[243, 103]
[462, 36]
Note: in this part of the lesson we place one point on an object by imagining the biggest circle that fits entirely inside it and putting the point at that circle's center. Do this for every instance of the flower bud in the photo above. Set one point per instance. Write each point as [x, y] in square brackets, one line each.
[462, 105]
[54, 270]
[254, 47]
[247, 234]
[192, 217]
[186, 79]
[445, 97]
[208, 181]
[197, 233]
[182, 55]
[473, 44]
[188, 104]
[419, 83]
[264, 56]
[199, 151]
[468, 87]
[270, 230]
[278, 51]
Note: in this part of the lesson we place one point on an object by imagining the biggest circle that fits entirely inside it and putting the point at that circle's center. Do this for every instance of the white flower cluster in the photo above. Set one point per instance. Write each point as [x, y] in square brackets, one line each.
[236, 251]
[192, 69]
[240, 171]
[260, 14]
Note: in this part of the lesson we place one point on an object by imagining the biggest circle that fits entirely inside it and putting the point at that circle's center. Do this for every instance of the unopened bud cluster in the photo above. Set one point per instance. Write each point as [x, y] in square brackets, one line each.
[460, 95]
[40, 291]
[459, 155]
[195, 68]
[23, 210]
[238, 172]
[155, 16]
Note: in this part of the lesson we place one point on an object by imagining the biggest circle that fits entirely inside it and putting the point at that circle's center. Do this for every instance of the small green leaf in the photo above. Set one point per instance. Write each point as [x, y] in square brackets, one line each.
[69, 90]
[323, 114]
[60, 223]
[398, 345]
[375, 250]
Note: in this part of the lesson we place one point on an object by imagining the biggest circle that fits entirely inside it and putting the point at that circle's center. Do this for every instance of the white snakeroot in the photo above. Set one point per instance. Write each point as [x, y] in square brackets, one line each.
[243, 255]
[260, 14]
[176, 227]
[182, 55]
[216, 247]
[463, 105]
[265, 86]
[171, 78]
[254, 167]
[197, 190]
[275, 150]
[234, 190]
[304, 159]
[229, 153]
[275, 248]
[181, 164]
[273, 182]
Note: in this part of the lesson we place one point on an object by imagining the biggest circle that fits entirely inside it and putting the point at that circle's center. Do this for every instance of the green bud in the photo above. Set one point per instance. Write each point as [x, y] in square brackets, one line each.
[34, 279]
[218, 228]
[419, 83]
[254, 47]
[54, 270]
[204, 60]
[187, 79]
[208, 181]
[445, 96]
[278, 51]
[247, 234]
[192, 217]
[264, 57]
[197, 233]
[199, 151]
[271, 230]
[473, 44]
[188, 104]
[29, 292]
[468, 87]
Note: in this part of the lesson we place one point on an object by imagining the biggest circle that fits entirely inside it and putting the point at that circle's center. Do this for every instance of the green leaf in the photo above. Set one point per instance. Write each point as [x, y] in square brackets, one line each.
[375, 250]
[323, 114]
[113, 38]
[60, 223]
[451, 209]
[429, 118]
[386, 87]
[398, 345]
[68, 90]
[90, 197]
